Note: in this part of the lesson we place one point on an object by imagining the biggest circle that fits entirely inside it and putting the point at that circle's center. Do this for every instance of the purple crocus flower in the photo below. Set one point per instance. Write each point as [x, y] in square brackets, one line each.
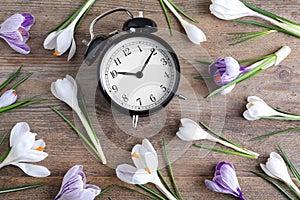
[225, 70]
[74, 186]
[15, 31]
[225, 181]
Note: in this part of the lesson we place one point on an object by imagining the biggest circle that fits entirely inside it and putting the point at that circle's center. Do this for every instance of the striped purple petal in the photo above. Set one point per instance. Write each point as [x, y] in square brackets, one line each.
[28, 21]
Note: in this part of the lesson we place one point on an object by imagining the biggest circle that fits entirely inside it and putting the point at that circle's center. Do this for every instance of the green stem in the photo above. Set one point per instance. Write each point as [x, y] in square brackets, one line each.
[4, 155]
[20, 104]
[290, 164]
[77, 131]
[20, 188]
[182, 12]
[166, 15]
[226, 151]
[274, 184]
[296, 118]
[274, 133]
[150, 191]
[3, 138]
[136, 191]
[202, 77]
[21, 81]
[11, 78]
[170, 169]
[165, 182]
[106, 189]
[244, 77]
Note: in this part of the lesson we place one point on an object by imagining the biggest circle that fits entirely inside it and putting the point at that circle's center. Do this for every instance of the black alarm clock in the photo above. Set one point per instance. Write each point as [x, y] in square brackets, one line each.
[138, 72]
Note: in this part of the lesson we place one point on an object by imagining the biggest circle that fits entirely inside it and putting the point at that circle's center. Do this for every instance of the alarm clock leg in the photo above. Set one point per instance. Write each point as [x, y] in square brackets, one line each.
[135, 120]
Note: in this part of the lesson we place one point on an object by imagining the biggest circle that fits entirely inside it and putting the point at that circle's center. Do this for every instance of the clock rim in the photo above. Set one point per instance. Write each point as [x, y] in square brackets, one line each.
[167, 47]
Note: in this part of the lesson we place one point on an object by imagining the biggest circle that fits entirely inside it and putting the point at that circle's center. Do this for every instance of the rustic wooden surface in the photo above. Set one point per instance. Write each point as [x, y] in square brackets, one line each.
[279, 86]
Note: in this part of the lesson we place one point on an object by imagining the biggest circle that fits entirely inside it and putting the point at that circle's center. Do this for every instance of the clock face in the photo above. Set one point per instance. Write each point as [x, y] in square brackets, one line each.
[139, 73]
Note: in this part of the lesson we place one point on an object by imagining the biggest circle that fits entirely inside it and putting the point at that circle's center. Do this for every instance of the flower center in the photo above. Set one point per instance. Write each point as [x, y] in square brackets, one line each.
[218, 78]
[147, 170]
[39, 149]
[55, 53]
[251, 104]
[135, 155]
[20, 31]
[14, 93]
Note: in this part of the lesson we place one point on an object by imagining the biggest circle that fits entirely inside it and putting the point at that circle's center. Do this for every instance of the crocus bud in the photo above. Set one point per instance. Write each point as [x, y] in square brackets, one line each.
[7, 98]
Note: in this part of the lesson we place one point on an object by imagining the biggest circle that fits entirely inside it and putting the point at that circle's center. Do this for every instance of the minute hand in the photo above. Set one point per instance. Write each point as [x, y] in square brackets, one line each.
[148, 59]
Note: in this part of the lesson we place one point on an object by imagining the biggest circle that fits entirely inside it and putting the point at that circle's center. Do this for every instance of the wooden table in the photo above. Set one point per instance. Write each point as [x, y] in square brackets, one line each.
[279, 86]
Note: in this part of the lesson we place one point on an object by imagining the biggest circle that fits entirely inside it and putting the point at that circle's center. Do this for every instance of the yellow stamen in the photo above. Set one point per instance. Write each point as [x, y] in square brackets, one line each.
[20, 31]
[135, 155]
[14, 93]
[55, 53]
[147, 170]
[218, 78]
[251, 104]
[39, 149]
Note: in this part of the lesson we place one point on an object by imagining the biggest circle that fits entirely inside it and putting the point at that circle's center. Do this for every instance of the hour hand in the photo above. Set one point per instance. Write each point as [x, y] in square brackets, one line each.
[128, 73]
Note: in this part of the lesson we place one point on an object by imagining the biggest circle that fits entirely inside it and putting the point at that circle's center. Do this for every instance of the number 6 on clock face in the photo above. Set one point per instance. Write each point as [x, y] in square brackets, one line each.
[138, 73]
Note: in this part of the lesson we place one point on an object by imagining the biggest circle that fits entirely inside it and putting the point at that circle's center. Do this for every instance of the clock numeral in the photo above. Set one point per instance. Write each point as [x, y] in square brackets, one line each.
[114, 73]
[125, 98]
[163, 88]
[139, 48]
[163, 61]
[152, 98]
[166, 75]
[126, 51]
[139, 100]
[115, 88]
[117, 61]
[154, 51]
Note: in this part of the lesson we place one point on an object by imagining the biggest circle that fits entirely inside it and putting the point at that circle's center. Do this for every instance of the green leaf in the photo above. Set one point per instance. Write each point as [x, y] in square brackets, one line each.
[281, 118]
[251, 36]
[20, 188]
[136, 191]
[165, 182]
[150, 191]
[182, 12]
[274, 133]
[290, 164]
[283, 191]
[4, 155]
[266, 26]
[202, 77]
[268, 14]
[285, 112]
[166, 15]
[3, 138]
[21, 81]
[170, 169]
[244, 76]
[77, 131]
[205, 61]
[11, 78]
[226, 151]
[20, 104]
[106, 189]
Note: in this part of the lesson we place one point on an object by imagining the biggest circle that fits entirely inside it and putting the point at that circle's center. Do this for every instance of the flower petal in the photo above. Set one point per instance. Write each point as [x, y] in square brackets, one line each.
[32, 156]
[33, 170]
[7, 98]
[266, 170]
[72, 50]
[191, 131]
[18, 47]
[12, 23]
[28, 21]
[215, 187]
[17, 131]
[254, 98]
[249, 117]
[50, 41]
[229, 177]
[278, 168]
[125, 173]
[227, 90]
[64, 40]
[193, 32]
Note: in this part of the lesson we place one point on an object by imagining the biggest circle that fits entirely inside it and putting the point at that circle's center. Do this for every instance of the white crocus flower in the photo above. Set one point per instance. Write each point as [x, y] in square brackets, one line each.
[24, 148]
[276, 168]
[66, 91]
[145, 160]
[7, 98]
[258, 108]
[195, 34]
[191, 131]
[62, 39]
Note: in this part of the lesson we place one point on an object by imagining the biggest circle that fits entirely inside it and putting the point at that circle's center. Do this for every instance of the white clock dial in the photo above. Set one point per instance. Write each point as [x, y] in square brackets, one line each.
[139, 73]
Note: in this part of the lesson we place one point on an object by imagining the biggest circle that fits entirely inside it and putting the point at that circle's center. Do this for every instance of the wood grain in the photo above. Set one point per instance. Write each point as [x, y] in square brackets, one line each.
[279, 86]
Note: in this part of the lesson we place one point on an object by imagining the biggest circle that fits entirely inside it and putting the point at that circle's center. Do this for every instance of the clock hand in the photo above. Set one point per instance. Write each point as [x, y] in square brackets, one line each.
[148, 59]
[128, 73]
